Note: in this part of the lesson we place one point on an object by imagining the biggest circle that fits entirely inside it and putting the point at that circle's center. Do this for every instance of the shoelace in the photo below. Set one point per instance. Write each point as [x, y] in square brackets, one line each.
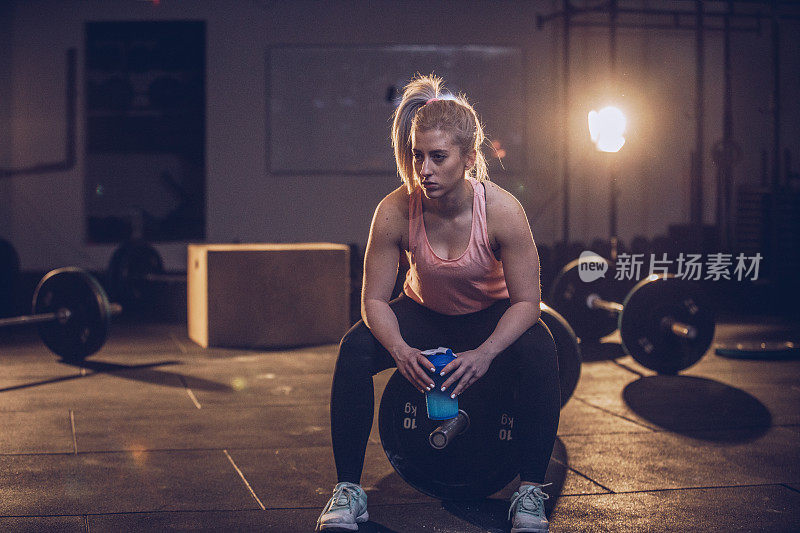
[534, 496]
[341, 497]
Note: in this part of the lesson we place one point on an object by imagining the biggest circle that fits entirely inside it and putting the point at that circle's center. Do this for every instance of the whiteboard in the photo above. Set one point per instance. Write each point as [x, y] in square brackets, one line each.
[330, 107]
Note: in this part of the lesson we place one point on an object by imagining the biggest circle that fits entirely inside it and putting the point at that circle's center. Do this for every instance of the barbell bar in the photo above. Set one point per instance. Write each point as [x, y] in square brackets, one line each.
[72, 312]
[449, 429]
[62, 315]
[666, 323]
[678, 328]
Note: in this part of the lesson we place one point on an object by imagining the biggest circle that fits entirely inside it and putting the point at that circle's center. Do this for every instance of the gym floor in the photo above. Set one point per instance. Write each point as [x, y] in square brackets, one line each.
[155, 433]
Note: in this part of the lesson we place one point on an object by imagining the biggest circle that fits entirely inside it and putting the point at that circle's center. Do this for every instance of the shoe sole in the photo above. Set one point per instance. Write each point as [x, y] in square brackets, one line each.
[343, 527]
[529, 530]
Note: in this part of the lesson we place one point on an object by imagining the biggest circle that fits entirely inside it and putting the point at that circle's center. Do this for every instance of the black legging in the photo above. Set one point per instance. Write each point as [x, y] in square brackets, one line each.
[532, 357]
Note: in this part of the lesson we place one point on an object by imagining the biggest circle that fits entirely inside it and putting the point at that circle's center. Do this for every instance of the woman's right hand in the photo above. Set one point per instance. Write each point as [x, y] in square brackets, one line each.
[412, 365]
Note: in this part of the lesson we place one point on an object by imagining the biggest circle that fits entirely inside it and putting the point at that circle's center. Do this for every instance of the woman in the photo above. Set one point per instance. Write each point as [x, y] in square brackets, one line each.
[472, 285]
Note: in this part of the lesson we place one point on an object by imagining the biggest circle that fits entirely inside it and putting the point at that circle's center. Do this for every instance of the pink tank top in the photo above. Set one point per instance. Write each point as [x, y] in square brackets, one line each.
[459, 286]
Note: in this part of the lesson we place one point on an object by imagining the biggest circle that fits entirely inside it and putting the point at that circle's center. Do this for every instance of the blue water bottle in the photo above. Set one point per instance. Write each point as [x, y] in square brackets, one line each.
[439, 404]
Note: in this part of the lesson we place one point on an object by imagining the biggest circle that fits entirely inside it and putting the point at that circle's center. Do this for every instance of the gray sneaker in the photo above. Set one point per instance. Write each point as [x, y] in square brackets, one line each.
[345, 510]
[527, 510]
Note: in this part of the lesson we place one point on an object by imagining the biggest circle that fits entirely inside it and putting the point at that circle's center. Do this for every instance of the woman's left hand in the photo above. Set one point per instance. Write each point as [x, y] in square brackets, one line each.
[466, 369]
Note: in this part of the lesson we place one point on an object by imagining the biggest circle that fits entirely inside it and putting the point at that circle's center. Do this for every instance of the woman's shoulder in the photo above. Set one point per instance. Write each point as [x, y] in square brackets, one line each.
[391, 215]
[505, 216]
[395, 203]
[500, 202]
[390, 221]
[400, 194]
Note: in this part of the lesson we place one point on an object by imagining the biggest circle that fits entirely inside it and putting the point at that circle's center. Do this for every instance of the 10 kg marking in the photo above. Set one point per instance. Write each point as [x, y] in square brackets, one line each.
[410, 422]
[508, 422]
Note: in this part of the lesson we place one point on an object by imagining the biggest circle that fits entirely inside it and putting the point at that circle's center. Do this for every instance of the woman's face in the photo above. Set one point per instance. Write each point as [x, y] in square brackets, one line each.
[438, 162]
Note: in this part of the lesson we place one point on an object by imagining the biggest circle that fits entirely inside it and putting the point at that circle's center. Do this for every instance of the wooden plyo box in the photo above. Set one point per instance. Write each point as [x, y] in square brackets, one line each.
[268, 295]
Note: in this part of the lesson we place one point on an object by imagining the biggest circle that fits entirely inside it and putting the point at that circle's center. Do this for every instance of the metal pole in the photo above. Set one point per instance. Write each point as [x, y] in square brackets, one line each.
[775, 183]
[612, 44]
[34, 319]
[565, 115]
[612, 39]
[593, 301]
[681, 329]
[776, 97]
[676, 327]
[696, 209]
[612, 214]
[62, 315]
[725, 175]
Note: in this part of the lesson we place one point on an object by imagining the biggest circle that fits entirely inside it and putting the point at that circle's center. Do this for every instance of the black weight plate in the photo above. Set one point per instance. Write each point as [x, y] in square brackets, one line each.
[128, 268]
[569, 352]
[654, 346]
[9, 273]
[85, 331]
[476, 464]
[769, 350]
[569, 295]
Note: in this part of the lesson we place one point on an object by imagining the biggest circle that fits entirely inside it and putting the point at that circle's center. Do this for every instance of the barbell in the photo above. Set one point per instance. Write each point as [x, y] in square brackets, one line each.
[133, 266]
[666, 323]
[474, 454]
[72, 313]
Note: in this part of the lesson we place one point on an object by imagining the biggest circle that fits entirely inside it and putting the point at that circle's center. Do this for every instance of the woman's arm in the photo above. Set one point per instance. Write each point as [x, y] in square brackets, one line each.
[521, 268]
[380, 272]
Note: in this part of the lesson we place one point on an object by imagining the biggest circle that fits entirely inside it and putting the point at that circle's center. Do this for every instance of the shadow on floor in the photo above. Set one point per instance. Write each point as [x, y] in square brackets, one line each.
[491, 514]
[601, 351]
[373, 527]
[143, 373]
[698, 407]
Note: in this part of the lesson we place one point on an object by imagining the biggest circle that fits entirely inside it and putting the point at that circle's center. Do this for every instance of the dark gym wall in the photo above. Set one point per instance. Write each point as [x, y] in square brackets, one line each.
[6, 18]
[246, 203]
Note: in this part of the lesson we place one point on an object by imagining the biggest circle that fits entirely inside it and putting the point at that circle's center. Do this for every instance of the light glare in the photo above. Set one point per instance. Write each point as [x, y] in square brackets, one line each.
[610, 144]
[606, 128]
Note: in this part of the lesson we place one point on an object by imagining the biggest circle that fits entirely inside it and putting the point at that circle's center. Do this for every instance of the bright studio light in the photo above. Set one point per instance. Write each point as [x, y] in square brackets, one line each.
[606, 128]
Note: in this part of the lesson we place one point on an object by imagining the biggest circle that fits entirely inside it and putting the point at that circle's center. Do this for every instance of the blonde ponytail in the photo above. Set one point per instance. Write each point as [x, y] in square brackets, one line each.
[425, 106]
